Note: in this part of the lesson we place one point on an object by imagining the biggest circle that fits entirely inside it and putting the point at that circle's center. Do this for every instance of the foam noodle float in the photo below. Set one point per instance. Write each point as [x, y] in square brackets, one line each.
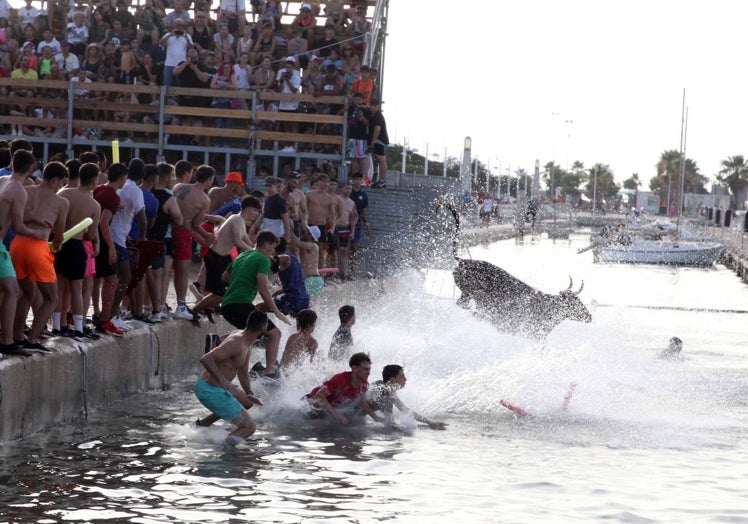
[115, 151]
[70, 233]
[524, 413]
[328, 271]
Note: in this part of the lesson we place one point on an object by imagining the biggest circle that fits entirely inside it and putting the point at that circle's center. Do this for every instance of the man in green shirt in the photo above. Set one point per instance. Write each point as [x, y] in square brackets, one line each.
[246, 276]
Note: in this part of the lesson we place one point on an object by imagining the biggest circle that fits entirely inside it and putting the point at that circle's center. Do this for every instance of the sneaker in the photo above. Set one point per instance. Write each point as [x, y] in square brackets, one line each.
[65, 331]
[275, 377]
[109, 328]
[183, 312]
[164, 313]
[89, 334]
[79, 336]
[257, 370]
[120, 324]
[36, 346]
[143, 318]
[14, 349]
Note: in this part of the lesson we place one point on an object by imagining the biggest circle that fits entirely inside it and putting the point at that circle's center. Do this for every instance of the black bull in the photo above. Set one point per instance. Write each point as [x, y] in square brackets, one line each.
[511, 304]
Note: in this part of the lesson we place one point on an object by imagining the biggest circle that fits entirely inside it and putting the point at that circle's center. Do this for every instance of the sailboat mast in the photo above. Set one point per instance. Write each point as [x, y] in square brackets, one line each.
[683, 136]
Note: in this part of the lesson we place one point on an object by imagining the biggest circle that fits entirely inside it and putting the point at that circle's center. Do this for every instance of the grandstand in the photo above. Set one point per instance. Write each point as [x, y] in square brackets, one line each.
[46, 98]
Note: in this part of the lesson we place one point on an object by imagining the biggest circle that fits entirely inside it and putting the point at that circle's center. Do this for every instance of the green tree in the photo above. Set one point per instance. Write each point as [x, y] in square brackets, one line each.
[552, 176]
[633, 182]
[607, 189]
[734, 176]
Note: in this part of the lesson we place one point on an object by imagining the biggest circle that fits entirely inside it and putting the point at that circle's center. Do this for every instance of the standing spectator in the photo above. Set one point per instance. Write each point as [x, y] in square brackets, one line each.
[224, 82]
[378, 141]
[289, 82]
[364, 85]
[347, 217]
[275, 211]
[358, 133]
[177, 43]
[26, 15]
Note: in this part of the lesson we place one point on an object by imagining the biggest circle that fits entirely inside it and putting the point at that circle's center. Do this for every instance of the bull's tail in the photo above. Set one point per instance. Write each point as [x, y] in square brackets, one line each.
[456, 215]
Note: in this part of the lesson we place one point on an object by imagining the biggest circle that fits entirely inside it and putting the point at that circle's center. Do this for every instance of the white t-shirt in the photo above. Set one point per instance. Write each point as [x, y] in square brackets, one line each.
[130, 201]
[54, 44]
[176, 49]
[289, 105]
[234, 6]
[75, 34]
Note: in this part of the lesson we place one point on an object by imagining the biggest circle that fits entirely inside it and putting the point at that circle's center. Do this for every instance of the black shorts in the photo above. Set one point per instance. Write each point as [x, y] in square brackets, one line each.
[332, 240]
[71, 259]
[215, 265]
[343, 234]
[237, 314]
[379, 149]
[297, 228]
[103, 267]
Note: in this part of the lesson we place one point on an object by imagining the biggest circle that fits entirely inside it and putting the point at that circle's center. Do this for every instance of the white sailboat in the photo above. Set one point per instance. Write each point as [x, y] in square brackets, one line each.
[631, 246]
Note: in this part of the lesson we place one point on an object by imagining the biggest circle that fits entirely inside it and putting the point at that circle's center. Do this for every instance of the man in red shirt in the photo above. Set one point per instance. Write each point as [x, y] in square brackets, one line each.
[345, 392]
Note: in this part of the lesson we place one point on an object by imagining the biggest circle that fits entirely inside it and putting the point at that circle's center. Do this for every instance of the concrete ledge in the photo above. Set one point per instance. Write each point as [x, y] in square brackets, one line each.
[42, 390]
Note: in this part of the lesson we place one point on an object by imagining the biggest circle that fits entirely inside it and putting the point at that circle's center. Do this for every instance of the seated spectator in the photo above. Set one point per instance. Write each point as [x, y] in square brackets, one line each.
[264, 47]
[364, 85]
[331, 84]
[307, 22]
[325, 45]
[223, 42]
[26, 15]
[234, 13]
[336, 14]
[79, 6]
[350, 60]
[76, 33]
[178, 12]
[333, 59]
[92, 61]
[243, 71]
[50, 41]
[125, 18]
[128, 65]
[297, 47]
[117, 34]
[272, 12]
[358, 28]
[27, 50]
[108, 69]
[66, 59]
[149, 74]
[44, 64]
[80, 77]
[312, 75]
[200, 31]
[99, 29]
[263, 77]
[192, 73]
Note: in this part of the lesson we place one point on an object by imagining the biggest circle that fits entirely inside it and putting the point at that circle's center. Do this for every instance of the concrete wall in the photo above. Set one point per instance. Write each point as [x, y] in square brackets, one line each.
[41, 390]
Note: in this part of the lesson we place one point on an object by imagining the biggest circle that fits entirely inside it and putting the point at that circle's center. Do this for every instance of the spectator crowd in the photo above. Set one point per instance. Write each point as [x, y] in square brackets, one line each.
[237, 46]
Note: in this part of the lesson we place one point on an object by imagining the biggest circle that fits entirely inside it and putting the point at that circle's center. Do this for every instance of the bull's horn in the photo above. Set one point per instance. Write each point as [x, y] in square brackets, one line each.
[580, 288]
[571, 283]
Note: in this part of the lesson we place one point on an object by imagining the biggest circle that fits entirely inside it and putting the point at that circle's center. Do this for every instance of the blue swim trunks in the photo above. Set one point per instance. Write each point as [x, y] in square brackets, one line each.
[6, 265]
[219, 401]
[314, 285]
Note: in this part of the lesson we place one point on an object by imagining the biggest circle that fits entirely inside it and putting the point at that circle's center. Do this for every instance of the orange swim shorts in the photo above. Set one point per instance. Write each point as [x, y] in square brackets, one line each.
[32, 259]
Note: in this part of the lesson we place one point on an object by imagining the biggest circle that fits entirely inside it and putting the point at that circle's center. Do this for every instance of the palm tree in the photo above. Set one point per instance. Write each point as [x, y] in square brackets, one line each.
[734, 175]
[668, 175]
[633, 182]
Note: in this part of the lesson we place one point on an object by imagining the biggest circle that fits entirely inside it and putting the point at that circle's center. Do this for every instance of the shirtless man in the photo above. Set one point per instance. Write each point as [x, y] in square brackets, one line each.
[72, 260]
[32, 259]
[344, 227]
[234, 187]
[296, 203]
[321, 213]
[215, 390]
[13, 198]
[193, 204]
[301, 344]
[232, 232]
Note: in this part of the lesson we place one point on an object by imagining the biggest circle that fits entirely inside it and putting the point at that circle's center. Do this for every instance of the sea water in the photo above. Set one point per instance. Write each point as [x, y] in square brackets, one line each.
[642, 440]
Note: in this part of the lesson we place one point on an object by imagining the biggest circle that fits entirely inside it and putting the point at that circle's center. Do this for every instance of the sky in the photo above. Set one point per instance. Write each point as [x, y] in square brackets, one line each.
[594, 81]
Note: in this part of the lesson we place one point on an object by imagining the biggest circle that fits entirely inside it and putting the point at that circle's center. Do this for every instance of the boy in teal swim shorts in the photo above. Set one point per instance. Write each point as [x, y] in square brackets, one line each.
[215, 390]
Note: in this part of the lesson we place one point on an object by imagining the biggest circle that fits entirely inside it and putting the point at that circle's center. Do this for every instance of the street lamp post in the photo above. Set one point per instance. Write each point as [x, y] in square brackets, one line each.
[466, 163]
[594, 192]
[536, 180]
